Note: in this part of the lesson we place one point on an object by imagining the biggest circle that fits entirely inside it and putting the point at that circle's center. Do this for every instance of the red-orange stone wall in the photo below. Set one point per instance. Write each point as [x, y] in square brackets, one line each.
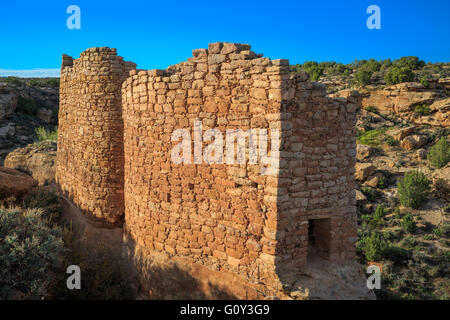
[114, 160]
[231, 216]
[90, 136]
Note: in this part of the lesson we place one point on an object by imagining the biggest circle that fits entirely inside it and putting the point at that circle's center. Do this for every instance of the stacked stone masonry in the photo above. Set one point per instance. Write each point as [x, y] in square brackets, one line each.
[114, 156]
[90, 138]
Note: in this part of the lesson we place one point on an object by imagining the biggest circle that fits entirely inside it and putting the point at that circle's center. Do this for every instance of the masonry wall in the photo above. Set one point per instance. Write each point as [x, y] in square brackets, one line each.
[316, 200]
[231, 216]
[90, 135]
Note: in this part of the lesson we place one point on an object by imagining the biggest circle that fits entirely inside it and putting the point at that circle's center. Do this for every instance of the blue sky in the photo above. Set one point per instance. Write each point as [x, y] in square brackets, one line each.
[156, 34]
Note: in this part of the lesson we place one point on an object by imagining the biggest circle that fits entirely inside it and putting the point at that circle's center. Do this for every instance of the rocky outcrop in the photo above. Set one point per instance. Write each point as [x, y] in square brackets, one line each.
[14, 183]
[442, 105]
[363, 152]
[413, 142]
[374, 180]
[8, 101]
[444, 83]
[401, 99]
[402, 133]
[363, 171]
[45, 100]
[7, 131]
[38, 160]
[45, 115]
[441, 181]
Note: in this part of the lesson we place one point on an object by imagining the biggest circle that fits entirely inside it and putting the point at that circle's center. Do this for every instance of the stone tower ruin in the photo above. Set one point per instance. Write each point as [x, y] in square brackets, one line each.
[90, 140]
[116, 128]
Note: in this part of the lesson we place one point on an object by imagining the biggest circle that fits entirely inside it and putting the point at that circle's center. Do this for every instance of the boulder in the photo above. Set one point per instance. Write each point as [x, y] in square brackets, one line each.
[380, 100]
[413, 142]
[444, 83]
[373, 180]
[408, 86]
[39, 161]
[7, 131]
[441, 105]
[363, 152]
[421, 153]
[406, 101]
[401, 134]
[363, 171]
[14, 183]
[441, 180]
[45, 115]
[360, 197]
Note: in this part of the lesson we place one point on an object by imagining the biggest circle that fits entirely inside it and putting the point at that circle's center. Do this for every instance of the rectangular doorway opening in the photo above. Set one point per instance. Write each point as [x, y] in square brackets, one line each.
[319, 239]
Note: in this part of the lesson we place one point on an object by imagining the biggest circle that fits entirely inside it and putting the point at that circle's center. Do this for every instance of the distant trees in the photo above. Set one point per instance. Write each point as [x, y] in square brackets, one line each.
[410, 62]
[439, 154]
[314, 70]
[365, 72]
[398, 74]
[34, 82]
[363, 76]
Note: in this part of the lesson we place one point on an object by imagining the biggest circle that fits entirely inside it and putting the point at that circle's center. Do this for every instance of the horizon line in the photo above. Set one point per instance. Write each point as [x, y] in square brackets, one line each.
[30, 73]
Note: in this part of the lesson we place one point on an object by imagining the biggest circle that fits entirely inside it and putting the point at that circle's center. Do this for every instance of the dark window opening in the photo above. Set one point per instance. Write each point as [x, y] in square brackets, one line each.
[319, 238]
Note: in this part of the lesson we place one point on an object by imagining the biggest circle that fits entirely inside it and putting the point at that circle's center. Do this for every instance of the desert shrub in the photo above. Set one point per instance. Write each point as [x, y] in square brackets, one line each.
[390, 141]
[443, 230]
[439, 133]
[43, 82]
[382, 183]
[33, 83]
[413, 189]
[27, 106]
[314, 70]
[29, 252]
[447, 208]
[372, 109]
[341, 69]
[103, 275]
[363, 76]
[371, 137]
[12, 80]
[397, 213]
[377, 218]
[44, 134]
[408, 224]
[45, 199]
[439, 154]
[52, 82]
[373, 246]
[372, 65]
[428, 237]
[422, 110]
[424, 82]
[371, 194]
[398, 74]
[396, 254]
[411, 62]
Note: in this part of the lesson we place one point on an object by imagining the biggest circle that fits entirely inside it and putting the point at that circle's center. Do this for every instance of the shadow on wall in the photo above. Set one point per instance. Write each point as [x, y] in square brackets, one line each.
[164, 278]
[108, 271]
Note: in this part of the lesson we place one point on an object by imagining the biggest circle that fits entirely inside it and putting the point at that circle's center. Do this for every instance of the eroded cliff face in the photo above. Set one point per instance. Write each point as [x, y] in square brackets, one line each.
[401, 100]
